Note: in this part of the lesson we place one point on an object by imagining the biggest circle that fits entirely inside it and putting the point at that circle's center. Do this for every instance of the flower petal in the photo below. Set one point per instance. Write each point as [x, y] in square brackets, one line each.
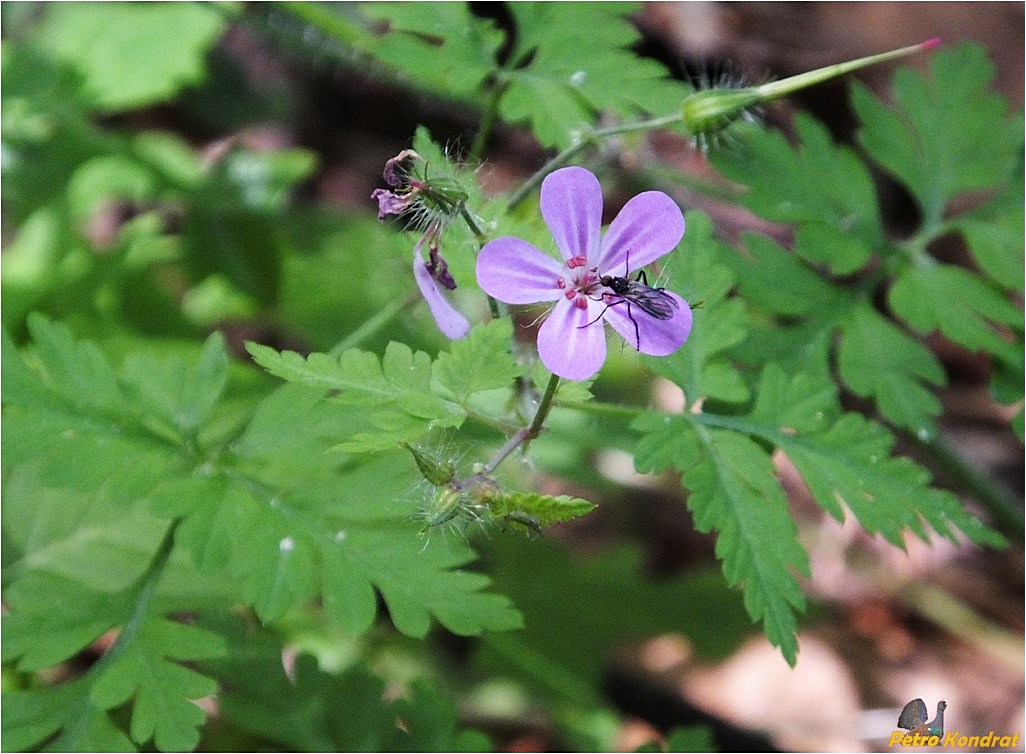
[391, 204]
[570, 343]
[512, 270]
[656, 337]
[452, 324]
[571, 203]
[649, 226]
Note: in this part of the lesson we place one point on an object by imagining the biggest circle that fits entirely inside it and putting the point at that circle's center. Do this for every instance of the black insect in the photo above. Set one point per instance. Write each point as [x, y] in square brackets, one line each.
[655, 302]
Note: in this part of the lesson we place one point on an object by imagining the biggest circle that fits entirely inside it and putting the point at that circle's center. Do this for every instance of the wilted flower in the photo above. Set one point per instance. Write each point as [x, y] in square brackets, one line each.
[425, 200]
[429, 204]
[428, 275]
[591, 284]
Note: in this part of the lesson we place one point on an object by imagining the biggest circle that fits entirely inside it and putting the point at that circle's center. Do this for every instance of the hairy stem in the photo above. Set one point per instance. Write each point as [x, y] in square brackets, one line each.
[964, 476]
[528, 433]
[578, 146]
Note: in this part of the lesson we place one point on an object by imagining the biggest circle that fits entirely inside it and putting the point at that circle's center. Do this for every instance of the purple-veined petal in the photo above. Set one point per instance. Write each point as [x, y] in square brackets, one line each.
[515, 272]
[570, 343]
[452, 324]
[571, 203]
[649, 226]
[658, 337]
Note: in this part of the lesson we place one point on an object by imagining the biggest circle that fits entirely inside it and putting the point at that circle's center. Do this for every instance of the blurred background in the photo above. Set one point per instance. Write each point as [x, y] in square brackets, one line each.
[937, 622]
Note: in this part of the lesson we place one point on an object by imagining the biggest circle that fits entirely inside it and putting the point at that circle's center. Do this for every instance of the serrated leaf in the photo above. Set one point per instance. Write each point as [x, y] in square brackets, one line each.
[850, 464]
[931, 140]
[313, 710]
[398, 387]
[171, 390]
[735, 492]
[559, 79]
[75, 370]
[815, 182]
[161, 689]
[441, 45]
[33, 717]
[771, 277]
[699, 368]
[37, 636]
[876, 359]
[139, 667]
[132, 56]
[542, 510]
[480, 361]
[953, 300]
[801, 402]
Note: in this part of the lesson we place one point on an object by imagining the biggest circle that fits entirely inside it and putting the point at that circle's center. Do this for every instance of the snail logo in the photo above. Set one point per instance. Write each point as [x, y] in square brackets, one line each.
[923, 733]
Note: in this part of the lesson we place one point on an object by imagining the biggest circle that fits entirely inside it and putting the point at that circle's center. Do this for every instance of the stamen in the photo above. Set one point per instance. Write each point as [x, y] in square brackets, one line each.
[570, 293]
[560, 283]
[581, 302]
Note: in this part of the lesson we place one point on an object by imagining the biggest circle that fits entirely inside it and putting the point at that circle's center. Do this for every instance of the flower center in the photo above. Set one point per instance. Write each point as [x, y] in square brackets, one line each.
[579, 281]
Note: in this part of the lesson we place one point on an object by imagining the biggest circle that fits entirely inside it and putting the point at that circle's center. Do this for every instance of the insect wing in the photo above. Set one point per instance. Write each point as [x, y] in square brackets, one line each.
[654, 301]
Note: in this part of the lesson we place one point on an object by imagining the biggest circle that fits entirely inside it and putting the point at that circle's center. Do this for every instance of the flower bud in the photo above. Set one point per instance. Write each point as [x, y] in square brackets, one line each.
[709, 111]
[436, 470]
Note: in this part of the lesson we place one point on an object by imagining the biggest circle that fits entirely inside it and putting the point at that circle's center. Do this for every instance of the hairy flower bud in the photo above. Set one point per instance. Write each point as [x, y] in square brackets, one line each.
[436, 470]
[710, 111]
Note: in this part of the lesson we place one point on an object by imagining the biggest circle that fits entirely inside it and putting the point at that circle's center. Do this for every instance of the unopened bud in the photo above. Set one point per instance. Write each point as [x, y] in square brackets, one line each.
[712, 110]
[709, 111]
[436, 470]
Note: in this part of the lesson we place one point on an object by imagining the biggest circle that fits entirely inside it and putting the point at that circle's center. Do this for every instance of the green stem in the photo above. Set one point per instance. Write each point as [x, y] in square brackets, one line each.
[528, 433]
[488, 119]
[535, 180]
[145, 586]
[964, 476]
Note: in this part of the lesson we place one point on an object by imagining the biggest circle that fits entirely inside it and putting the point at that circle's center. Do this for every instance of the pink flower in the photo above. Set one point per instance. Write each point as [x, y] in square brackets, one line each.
[592, 284]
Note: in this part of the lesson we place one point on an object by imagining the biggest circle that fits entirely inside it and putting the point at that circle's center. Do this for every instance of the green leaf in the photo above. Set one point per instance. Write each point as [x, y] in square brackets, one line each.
[37, 636]
[161, 690]
[442, 46]
[171, 390]
[138, 667]
[771, 277]
[312, 710]
[132, 56]
[798, 402]
[816, 182]
[33, 717]
[734, 491]
[850, 465]
[398, 388]
[294, 523]
[534, 509]
[480, 361]
[558, 79]
[951, 299]
[876, 359]
[702, 271]
[947, 133]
